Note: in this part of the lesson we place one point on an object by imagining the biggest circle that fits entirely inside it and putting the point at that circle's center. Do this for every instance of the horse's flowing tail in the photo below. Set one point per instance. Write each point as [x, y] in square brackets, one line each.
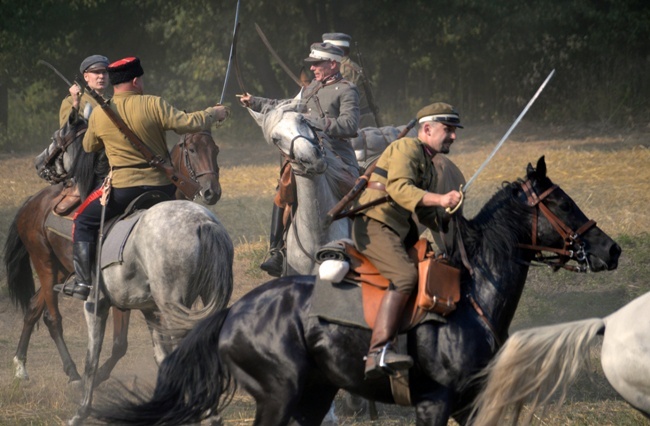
[20, 280]
[192, 384]
[531, 367]
[213, 280]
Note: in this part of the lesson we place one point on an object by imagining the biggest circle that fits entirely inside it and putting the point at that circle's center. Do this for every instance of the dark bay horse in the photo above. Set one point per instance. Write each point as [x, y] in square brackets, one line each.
[195, 156]
[292, 363]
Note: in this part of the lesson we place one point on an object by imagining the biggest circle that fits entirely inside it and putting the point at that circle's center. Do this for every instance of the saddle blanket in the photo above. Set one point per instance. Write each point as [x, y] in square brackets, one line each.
[114, 241]
[341, 303]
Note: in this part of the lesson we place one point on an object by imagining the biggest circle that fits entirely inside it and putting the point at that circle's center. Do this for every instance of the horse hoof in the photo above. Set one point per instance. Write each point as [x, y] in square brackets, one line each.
[20, 370]
[75, 421]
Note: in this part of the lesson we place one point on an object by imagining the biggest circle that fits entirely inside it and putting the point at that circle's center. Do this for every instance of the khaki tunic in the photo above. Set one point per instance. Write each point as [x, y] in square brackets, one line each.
[409, 174]
[66, 107]
[148, 117]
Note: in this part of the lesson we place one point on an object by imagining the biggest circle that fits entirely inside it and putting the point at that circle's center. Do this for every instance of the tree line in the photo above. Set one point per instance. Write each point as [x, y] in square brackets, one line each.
[487, 58]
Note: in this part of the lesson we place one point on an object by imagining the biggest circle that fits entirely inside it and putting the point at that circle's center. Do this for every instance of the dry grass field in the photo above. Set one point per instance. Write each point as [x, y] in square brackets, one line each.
[606, 173]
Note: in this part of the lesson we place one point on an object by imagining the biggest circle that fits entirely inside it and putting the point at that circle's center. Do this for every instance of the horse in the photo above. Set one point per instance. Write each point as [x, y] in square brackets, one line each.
[538, 363]
[195, 156]
[322, 179]
[292, 363]
[370, 142]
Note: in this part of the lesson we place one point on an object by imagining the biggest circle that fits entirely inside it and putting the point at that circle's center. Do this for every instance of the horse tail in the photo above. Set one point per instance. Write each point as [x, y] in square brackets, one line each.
[213, 280]
[193, 384]
[20, 280]
[531, 366]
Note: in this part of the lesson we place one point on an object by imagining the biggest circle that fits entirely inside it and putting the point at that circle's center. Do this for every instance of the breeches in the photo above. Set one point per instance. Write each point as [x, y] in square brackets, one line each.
[88, 217]
[387, 252]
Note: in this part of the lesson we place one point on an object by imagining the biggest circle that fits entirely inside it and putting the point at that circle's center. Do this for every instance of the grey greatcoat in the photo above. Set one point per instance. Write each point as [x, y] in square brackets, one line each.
[332, 107]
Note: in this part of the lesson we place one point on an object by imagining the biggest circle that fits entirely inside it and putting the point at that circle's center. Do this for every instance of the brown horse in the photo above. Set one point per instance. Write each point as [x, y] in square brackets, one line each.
[194, 156]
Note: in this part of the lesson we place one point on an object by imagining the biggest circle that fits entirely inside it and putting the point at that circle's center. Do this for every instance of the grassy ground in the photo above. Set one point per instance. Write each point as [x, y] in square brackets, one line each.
[606, 174]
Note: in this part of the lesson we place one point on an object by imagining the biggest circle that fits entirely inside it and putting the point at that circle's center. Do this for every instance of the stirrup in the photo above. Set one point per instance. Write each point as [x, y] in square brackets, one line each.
[74, 289]
[274, 263]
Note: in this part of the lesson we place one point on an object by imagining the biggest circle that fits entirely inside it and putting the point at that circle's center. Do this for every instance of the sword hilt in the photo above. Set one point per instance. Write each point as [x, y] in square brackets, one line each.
[462, 198]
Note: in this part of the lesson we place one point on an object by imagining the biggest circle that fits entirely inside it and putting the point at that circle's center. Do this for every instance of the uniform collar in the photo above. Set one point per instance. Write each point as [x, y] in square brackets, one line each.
[427, 149]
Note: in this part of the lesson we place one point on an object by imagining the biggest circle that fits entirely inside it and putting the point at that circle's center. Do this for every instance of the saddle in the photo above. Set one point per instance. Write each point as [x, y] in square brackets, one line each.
[69, 199]
[438, 284]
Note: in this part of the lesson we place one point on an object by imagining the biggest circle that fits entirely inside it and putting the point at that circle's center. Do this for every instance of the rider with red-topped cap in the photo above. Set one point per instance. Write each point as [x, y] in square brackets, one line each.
[149, 117]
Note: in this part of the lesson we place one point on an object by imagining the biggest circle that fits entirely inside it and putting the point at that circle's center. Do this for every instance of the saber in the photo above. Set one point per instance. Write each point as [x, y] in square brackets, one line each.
[240, 80]
[276, 56]
[50, 66]
[232, 50]
[503, 139]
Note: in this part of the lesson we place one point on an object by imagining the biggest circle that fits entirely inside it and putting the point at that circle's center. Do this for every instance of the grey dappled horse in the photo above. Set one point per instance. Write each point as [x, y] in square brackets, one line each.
[322, 179]
[537, 361]
[177, 252]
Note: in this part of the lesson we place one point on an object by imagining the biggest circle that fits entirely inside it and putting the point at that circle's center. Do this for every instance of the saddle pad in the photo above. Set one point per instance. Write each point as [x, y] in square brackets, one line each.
[113, 247]
[341, 303]
[60, 225]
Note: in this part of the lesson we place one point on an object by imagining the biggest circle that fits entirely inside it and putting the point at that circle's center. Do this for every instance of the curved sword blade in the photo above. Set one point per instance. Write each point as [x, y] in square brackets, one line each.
[512, 127]
[232, 51]
[50, 66]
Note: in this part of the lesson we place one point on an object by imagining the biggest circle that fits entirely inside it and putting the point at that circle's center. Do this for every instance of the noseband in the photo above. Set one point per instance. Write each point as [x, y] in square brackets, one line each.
[291, 157]
[185, 154]
[574, 247]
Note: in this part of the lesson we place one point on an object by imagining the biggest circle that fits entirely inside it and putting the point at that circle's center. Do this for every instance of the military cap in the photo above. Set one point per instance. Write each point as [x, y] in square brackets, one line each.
[337, 39]
[439, 112]
[324, 52]
[124, 70]
[93, 62]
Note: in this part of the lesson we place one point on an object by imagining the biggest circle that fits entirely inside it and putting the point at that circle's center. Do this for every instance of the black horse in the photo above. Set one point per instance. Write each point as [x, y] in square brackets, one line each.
[293, 363]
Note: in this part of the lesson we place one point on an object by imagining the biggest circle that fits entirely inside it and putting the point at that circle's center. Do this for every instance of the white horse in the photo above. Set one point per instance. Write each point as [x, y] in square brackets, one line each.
[322, 179]
[536, 362]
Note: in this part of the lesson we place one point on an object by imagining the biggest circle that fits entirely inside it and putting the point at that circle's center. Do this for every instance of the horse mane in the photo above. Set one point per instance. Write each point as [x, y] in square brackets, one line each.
[492, 235]
[83, 171]
[273, 113]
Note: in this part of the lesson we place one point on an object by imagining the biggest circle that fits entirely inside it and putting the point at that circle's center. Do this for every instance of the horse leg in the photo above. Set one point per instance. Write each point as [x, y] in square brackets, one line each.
[96, 329]
[120, 343]
[162, 345]
[433, 412]
[315, 402]
[32, 316]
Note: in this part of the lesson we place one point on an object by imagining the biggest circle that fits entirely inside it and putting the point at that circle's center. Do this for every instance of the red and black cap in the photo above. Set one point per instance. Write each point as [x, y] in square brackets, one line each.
[124, 70]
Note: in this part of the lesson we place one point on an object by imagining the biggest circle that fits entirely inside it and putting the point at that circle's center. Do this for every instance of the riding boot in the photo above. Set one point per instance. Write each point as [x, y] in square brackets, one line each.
[274, 264]
[382, 358]
[83, 254]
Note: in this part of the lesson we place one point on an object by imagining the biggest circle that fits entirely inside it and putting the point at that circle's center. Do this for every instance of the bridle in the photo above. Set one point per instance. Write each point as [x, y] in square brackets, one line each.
[186, 161]
[316, 141]
[574, 247]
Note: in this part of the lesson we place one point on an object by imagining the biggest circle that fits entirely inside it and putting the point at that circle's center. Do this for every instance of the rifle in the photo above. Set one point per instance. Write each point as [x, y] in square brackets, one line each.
[367, 88]
[186, 185]
[362, 181]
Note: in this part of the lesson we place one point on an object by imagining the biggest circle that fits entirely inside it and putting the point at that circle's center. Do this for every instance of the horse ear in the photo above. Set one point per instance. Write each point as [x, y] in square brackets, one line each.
[541, 167]
[258, 117]
[530, 170]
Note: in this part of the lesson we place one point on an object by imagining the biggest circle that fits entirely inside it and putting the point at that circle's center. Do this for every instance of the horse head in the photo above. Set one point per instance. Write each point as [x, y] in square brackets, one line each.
[195, 156]
[293, 135]
[559, 226]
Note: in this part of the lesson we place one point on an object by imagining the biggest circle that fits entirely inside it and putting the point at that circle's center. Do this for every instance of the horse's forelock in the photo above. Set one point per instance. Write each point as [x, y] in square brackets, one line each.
[272, 115]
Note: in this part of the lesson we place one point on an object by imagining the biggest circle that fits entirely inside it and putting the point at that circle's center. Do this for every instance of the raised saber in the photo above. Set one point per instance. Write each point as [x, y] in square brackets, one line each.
[50, 66]
[232, 50]
[276, 56]
[503, 139]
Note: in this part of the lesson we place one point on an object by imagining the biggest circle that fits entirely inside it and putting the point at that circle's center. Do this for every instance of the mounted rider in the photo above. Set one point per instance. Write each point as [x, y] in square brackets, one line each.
[148, 117]
[331, 104]
[94, 71]
[353, 72]
[383, 233]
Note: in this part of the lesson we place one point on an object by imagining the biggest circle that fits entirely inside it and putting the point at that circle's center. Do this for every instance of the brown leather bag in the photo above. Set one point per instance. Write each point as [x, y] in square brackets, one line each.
[439, 282]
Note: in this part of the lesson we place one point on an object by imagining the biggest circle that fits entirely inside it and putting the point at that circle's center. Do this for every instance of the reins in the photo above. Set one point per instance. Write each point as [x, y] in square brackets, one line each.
[194, 175]
[574, 248]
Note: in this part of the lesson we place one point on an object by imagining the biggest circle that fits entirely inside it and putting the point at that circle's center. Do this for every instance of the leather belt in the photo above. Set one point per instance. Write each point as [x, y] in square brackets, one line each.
[377, 186]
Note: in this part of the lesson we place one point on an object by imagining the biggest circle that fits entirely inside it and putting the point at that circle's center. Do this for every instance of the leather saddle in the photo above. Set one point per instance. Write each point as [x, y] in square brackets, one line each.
[438, 284]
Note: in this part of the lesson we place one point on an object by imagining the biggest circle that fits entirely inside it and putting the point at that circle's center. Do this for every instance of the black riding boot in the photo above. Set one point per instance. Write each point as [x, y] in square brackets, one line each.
[274, 264]
[382, 358]
[83, 254]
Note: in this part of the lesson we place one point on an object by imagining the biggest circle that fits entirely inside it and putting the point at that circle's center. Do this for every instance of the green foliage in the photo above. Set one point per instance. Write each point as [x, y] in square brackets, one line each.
[487, 58]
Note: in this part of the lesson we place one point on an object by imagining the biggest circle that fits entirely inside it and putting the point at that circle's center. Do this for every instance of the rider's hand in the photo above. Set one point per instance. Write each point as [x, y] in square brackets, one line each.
[75, 93]
[221, 112]
[450, 199]
[245, 99]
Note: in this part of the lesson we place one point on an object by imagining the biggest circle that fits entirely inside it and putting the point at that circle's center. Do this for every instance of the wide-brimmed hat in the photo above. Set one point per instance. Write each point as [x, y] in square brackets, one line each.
[93, 62]
[324, 52]
[124, 70]
[440, 112]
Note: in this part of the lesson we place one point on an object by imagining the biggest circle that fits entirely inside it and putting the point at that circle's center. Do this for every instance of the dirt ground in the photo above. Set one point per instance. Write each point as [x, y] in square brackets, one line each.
[605, 171]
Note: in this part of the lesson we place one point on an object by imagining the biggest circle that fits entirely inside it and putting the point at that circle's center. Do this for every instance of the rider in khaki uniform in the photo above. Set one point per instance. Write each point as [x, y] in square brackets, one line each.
[94, 72]
[148, 117]
[385, 232]
[330, 103]
[351, 71]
